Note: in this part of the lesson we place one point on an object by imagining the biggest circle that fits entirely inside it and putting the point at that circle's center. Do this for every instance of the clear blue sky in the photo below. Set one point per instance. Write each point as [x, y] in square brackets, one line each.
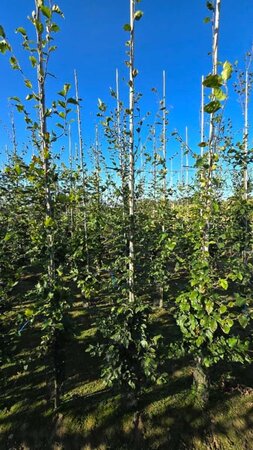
[171, 36]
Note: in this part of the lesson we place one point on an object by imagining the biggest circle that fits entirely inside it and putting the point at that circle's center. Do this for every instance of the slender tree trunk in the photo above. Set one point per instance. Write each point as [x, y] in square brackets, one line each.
[171, 173]
[182, 164]
[200, 384]
[199, 375]
[154, 170]
[164, 188]
[46, 158]
[216, 26]
[122, 160]
[186, 159]
[13, 134]
[202, 115]
[98, 198]
[212, 127]
[83, 172]
[246, 135]
[58, 352]
[45, 144]
[131, 267]
[71, 179]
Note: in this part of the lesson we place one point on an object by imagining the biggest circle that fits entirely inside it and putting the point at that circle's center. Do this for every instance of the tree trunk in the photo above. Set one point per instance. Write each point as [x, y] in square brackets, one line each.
[131, 265]
[58, 364]
[200, 384]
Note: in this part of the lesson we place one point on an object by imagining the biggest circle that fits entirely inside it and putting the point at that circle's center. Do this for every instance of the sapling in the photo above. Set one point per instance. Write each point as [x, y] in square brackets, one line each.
[205, 316]
[131, 142]
[82, 169]
[51, 302]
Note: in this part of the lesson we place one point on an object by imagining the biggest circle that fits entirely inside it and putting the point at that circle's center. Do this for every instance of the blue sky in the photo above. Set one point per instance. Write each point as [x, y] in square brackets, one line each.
[171, 36]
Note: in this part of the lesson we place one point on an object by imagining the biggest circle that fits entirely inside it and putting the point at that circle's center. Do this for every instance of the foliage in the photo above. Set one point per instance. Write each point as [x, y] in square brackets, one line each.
[128, 350]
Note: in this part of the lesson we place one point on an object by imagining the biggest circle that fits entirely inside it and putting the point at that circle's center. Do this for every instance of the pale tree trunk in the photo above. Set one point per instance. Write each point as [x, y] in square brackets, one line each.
[45, 155]
[216, 26]
[171, 173]
[212, 127]
[131, 266]
[122, 160]
[201, 384]
[45, 144]
[13, 135]
[202, 115]
[154, 169]
[71, 212]
[83, 172]
[164, 141]
[164, 188]
[97, 154]
[199, 375]
[186, 159]
[246, 135]
[245, 149]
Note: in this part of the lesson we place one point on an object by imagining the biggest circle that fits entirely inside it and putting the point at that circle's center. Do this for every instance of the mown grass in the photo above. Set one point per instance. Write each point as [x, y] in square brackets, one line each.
[94, 417]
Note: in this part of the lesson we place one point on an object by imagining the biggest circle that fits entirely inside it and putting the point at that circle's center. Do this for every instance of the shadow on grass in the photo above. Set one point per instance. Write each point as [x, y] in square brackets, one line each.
[93, 417]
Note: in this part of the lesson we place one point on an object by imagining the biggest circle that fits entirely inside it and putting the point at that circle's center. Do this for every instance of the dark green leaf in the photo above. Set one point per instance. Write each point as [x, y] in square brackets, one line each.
[212, 107]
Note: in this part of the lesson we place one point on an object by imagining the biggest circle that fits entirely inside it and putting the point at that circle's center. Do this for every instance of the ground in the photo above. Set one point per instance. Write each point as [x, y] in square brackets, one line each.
[94, 417]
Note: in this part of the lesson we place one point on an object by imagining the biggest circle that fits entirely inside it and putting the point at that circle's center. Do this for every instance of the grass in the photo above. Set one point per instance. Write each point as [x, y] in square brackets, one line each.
[93, 417]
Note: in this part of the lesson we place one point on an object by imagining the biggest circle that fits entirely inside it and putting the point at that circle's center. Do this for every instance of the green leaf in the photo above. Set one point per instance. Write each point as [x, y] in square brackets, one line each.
[8, 236]
[57, 10]
[213, 325]
[4, 47]
[212, 107]
[243, 321]
[227, 71]
[223, 283]
[226, 325]
[33, 61]
[28, 84]
[29, 97]
[232, 342]
[39, 26]
[212, 81]
[14, 63]
[66, 88]
[144, 343]
[28, 312]
[219, 94]
[209, 306]
[127, 27]
[21, 30]
[101, 105]
[200, 341]
[138, 15]
[16, 99]
[210, 6]
[216, 207]
[46, 11]
[48, 222]
[207, 20]
[240, 301]
[17, 169]
[73, 101]
[2, 33]
[222, 309]
[55, 28]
